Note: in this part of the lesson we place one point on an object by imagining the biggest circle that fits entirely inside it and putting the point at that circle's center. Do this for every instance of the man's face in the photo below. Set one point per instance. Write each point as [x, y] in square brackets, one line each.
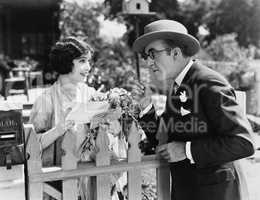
[161, 60]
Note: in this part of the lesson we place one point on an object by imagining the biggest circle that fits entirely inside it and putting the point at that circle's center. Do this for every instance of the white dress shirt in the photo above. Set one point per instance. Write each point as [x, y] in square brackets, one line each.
[179, 80]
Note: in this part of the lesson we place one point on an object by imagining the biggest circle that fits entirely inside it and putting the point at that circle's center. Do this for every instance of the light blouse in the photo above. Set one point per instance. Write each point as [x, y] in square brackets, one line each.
[49, 109]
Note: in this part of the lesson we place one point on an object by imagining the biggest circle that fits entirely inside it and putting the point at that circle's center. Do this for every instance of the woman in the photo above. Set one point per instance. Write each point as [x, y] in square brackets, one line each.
[70, 58]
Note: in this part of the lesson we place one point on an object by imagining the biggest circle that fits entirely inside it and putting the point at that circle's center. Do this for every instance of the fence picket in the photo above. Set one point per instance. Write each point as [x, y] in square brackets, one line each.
[69, 161]
[163, 173]
[34, 162]
[103, 159]
[134, 155]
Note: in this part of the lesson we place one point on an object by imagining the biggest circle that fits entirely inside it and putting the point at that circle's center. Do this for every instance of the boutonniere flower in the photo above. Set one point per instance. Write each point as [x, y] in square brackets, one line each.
[183, 96]
[184, 111]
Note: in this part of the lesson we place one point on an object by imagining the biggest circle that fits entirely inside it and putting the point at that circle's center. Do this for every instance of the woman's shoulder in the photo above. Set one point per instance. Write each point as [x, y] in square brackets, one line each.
[42, 110]
[45, 95]
[45, 99]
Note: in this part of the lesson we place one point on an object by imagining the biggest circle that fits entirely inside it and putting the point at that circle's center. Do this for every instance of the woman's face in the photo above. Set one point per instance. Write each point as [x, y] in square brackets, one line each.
[81, 68]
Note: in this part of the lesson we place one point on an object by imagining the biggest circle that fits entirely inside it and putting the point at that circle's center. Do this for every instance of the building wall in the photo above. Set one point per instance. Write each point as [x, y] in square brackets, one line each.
[28, 31]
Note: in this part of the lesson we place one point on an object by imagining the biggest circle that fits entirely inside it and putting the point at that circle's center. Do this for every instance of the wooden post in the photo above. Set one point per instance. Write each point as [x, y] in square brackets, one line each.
[103, 159]
[257, 90]
[34, 162]
[163, 173]
[134, 155]
[69, 161]
[241, 100]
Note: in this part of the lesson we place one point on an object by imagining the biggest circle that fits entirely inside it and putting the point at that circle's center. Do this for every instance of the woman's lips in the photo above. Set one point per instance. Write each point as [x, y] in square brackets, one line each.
[84, 74]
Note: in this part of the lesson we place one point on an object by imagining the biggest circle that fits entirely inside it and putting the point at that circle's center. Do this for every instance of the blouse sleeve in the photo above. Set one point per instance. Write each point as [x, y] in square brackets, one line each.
[41, 113]
[88, 93]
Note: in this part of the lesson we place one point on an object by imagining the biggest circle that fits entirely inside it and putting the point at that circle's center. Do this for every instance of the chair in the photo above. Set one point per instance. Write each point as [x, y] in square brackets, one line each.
[27, 107]
[37, 76]
[20, 77]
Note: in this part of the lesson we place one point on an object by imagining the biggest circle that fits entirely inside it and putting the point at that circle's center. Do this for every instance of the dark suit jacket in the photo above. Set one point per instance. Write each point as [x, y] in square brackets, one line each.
[217, 128]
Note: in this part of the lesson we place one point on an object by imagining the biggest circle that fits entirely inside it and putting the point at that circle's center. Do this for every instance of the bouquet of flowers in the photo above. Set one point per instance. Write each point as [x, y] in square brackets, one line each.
[114, 110]
[122, 107]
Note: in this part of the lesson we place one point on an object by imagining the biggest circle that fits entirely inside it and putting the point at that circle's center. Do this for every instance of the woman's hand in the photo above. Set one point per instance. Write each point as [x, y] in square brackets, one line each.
[65, 125]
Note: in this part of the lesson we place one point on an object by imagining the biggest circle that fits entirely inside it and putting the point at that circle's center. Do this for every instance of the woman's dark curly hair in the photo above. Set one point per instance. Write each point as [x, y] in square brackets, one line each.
[65, 51]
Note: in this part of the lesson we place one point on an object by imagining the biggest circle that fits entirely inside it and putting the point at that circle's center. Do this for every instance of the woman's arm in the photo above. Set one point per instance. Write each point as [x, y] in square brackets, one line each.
[42, 119]
[50, 136]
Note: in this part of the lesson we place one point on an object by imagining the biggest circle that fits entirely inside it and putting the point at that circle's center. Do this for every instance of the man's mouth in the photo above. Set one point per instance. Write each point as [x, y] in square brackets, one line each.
[155, 70]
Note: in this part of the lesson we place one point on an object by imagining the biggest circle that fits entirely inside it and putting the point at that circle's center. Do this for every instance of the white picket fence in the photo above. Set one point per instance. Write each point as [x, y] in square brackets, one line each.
[71, 169]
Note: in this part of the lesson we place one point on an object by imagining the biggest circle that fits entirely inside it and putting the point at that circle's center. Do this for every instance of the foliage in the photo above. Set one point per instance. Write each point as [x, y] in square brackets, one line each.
[218, 16]
[79, 20]
[164, 9]
[231, 60]
[190, 12]
[236, 16]
[226, 48]
[237, 73]
[113, 66]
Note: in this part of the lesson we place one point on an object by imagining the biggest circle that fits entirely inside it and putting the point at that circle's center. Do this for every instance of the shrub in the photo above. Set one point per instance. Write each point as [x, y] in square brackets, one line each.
[231, 60]
[226, 48]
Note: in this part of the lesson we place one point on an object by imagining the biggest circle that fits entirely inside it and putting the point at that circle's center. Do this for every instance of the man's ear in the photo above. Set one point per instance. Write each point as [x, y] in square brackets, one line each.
[174, 52]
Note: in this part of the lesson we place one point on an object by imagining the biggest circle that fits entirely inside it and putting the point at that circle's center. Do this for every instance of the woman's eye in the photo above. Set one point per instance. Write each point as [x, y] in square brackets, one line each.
[82, 60]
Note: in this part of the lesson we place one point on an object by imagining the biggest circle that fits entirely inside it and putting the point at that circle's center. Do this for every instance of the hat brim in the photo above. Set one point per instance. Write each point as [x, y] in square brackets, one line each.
[183, 39]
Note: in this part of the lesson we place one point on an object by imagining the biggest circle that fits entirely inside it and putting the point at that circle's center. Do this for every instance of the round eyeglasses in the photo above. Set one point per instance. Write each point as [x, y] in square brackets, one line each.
[151, 53]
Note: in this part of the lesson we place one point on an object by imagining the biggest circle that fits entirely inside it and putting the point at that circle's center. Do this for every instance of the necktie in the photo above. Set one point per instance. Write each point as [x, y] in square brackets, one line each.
[171, 93]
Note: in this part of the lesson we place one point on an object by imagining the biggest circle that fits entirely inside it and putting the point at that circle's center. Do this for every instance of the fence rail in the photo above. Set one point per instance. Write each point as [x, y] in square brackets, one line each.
[89, 169]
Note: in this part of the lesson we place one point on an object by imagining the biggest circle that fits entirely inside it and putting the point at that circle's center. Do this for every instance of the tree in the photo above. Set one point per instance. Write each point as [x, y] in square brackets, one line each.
[115, 12]
[190, 13]
[80, 20]
[218, 16]
[236, 16]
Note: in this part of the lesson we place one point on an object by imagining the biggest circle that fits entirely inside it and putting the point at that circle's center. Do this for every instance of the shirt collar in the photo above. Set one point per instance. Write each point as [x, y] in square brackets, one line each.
[181, 75]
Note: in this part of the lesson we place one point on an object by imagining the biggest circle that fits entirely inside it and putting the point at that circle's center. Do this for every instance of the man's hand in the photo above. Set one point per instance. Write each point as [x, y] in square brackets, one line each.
[141, 93]
[172, 152]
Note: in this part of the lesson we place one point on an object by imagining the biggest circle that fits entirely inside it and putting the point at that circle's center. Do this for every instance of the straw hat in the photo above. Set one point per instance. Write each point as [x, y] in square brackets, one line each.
[167, 29]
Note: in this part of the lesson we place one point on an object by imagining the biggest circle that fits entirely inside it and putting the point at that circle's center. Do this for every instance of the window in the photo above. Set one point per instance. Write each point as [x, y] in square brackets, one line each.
[138, 6]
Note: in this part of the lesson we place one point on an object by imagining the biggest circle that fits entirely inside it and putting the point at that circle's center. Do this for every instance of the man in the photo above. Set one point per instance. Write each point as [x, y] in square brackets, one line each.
[207, 131]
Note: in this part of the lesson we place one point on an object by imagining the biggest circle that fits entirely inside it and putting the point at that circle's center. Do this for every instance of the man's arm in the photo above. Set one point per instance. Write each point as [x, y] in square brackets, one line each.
[149, 124]
[230, 133]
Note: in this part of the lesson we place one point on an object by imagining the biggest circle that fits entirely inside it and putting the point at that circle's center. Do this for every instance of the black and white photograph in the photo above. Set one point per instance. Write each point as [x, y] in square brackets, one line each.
[129, 99]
